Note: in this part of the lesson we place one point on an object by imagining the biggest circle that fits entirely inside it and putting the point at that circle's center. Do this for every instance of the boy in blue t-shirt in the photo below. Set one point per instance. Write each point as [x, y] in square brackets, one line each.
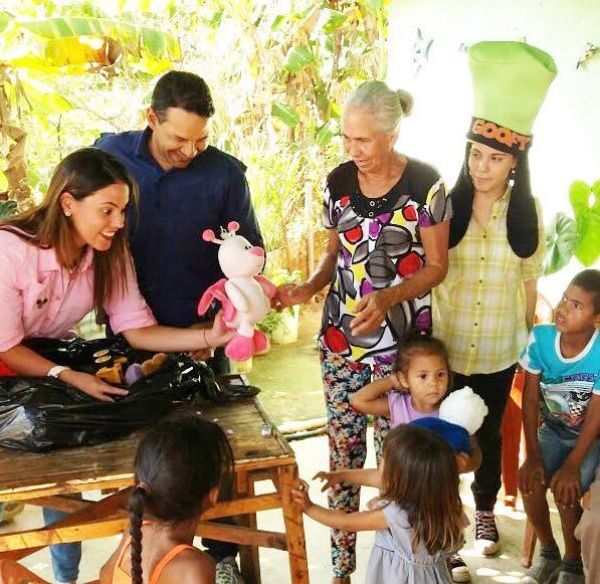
[562, 364]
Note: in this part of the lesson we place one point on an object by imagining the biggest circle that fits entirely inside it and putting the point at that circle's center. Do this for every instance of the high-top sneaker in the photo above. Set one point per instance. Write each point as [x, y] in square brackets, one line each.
[486, 533]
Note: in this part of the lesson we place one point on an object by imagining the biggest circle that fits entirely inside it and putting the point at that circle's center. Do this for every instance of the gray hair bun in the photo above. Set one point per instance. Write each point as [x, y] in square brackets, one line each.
[406, 101]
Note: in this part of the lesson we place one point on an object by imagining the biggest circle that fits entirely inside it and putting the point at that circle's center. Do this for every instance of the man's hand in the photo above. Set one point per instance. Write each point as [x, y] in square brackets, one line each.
[532, 476]
[370, 312]
[219, 334]
[91, 385]
[566, 485]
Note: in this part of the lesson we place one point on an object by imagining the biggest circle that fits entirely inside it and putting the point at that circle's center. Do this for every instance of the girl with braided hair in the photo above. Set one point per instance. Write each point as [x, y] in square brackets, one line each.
[180, 467]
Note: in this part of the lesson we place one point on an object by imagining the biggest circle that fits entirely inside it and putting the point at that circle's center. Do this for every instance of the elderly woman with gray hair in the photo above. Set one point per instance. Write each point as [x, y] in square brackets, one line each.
[388, 221]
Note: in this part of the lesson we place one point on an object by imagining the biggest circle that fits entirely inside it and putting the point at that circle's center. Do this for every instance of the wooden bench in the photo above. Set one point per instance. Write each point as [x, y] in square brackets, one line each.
[48, 480]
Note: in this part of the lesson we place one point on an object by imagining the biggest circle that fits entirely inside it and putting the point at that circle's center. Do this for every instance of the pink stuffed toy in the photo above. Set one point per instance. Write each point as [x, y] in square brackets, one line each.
[244, 293]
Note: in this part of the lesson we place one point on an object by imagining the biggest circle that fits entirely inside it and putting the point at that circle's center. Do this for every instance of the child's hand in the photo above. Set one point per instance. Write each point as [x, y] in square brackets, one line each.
[330, 478]
[565, 485]
[532, 476]
[300, 496]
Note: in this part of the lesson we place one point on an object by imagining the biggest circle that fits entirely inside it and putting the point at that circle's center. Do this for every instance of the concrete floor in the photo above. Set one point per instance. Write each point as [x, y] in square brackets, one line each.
[312, 457]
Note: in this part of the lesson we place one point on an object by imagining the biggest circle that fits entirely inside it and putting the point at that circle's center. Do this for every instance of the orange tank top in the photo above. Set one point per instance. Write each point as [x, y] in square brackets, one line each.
[122, 577]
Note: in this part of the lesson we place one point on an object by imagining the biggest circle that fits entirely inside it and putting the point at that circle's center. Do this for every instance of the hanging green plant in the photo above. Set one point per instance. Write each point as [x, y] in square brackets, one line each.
[566, 236]
[585, 201]
[561, 237]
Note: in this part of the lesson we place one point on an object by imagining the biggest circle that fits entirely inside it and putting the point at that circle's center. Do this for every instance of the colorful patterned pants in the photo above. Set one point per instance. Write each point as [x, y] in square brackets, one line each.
[347, 431]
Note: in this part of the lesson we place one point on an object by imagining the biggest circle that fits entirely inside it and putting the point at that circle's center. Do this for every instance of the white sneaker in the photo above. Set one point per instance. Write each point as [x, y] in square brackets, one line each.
[487, 540]
[457, 568]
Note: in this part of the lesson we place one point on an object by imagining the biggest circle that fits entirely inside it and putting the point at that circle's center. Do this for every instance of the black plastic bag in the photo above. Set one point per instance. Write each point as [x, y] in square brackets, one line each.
[42, 413]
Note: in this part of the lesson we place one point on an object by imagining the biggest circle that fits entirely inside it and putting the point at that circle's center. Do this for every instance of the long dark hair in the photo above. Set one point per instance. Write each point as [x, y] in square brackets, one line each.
[177, 464]
[521, 220]
[82, 173]
[420, 475]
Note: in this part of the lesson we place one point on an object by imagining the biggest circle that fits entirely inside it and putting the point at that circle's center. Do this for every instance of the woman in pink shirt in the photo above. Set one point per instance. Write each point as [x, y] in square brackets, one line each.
[64, 258]
[70, 255]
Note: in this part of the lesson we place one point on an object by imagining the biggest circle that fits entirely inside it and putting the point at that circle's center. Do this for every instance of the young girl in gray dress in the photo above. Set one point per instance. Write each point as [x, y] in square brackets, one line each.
[419, 519]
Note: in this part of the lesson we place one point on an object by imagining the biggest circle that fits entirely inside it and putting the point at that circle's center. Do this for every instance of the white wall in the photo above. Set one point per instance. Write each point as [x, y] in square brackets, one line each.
[566, 143]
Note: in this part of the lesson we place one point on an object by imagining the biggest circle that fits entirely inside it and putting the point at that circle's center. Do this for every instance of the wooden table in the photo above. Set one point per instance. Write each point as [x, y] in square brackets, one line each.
[49, 479]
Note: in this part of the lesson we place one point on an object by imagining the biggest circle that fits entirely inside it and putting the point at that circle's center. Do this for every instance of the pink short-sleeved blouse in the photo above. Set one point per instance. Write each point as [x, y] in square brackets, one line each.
[39, 298]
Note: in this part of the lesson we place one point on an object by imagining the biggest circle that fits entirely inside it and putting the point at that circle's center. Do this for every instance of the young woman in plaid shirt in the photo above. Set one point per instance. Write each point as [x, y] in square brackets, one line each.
[485, 306]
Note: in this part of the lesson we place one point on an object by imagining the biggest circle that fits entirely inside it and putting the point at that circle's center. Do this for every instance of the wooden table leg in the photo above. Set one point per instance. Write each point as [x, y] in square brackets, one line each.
[249, 560]
[294, 525]
[529, 541]
[512, 423]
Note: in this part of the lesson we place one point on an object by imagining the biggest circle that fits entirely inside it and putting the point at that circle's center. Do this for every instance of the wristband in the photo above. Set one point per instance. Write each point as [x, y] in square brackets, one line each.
[56, 371]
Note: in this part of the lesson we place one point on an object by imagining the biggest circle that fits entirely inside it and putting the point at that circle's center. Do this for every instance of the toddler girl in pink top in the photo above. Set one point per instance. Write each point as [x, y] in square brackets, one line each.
[415, 389]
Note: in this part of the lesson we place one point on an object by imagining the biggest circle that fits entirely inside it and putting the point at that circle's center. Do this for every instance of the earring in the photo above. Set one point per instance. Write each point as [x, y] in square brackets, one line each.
[511, 177]
[67, 213]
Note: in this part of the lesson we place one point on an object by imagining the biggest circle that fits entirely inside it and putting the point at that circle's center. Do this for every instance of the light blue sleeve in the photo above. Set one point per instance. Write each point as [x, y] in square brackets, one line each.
[530, 358]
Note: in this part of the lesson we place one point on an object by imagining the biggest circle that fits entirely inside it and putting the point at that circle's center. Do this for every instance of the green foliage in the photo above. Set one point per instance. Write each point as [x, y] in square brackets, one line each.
[286, 113]
[566, 237]
[561, 237]
[7, 209]
[585, 201]
[278, 76]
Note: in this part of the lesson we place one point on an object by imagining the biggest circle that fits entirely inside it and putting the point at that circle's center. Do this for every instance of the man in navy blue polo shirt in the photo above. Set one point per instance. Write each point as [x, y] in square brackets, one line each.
[185, 186]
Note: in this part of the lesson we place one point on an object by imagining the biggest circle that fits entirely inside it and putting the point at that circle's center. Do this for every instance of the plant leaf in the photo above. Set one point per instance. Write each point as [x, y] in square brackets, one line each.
[330, 20]
[298, 58]
[286, 113]
[561, 237]
[45, 101]
[5, 18]
[587, 218]
[145, 40]
[7, 208]
[326, 133]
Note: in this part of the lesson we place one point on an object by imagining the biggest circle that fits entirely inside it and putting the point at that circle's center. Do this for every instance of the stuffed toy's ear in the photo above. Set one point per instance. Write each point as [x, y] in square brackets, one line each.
[233, 226]
[208, 235]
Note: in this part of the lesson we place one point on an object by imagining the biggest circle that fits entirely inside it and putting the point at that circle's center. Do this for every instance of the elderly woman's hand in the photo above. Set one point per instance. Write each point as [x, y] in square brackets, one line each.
[371, 311]
[291, 294]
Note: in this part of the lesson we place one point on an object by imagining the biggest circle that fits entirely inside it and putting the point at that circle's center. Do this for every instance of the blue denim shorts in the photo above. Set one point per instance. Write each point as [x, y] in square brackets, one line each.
[556, 444]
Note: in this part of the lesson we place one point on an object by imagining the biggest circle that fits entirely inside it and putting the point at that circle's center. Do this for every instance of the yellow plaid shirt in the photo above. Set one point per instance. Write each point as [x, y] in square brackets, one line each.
[479, 310]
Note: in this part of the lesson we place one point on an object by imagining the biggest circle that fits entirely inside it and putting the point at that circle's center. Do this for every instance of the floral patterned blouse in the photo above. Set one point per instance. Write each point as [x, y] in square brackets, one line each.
[380, 246]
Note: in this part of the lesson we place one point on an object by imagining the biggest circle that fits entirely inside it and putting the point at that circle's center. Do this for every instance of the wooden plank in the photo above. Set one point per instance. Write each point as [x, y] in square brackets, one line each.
[60, 503]
[294, 526]
[39, 538]
[249, 558]
[243, 506]
[243, 536]
[93, 512]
